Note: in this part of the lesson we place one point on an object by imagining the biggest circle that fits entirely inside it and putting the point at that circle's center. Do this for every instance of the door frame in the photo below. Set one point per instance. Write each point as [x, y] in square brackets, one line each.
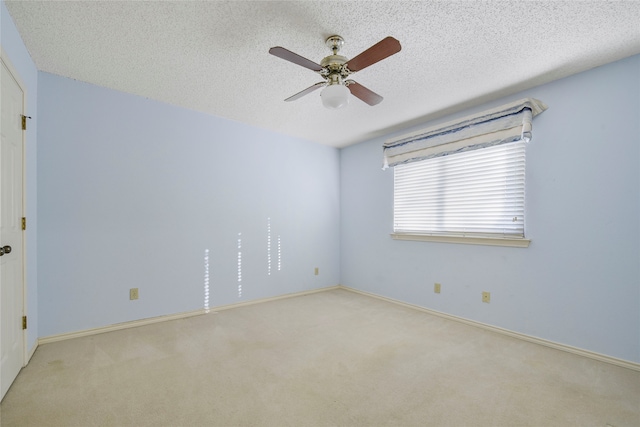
[4, 58]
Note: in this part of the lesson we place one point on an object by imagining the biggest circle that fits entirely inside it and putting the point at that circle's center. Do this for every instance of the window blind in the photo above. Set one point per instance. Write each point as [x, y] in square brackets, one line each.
[505, 124]
[477, 193]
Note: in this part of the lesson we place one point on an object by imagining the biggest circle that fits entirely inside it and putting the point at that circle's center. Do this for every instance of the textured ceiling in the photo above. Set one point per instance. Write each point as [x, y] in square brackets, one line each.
[213, 56]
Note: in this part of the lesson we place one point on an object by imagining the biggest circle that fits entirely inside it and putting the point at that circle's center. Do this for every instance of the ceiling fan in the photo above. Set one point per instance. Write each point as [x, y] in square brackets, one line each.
[336, 68]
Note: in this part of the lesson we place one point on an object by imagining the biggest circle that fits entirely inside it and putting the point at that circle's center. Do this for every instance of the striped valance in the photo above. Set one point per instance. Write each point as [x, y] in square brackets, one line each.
[508, 123]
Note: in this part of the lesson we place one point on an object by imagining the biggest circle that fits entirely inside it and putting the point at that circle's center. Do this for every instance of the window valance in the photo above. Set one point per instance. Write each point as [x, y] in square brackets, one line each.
[508, 123]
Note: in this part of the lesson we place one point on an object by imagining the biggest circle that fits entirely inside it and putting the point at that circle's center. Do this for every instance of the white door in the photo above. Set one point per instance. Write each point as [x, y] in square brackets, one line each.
[11, 261]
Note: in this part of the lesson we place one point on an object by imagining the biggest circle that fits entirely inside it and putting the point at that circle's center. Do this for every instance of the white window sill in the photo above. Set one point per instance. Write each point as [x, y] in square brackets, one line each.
[489, 241]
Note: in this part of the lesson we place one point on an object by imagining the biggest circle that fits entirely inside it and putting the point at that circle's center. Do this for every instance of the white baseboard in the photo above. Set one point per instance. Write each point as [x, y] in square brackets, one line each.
[117, 326]
[574, 350]
[151, 320]
[135, 323]
[261, 300]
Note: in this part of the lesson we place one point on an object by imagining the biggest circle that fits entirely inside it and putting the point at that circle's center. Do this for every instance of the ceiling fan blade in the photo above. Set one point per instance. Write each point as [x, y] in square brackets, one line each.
[375, 53]
[306, 91]
[363, 93]
[283, 53]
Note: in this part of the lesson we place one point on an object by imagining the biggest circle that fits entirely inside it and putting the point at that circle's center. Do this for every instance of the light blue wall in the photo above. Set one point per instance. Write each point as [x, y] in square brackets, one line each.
[132, 192]
[19, 57]
[579, 281]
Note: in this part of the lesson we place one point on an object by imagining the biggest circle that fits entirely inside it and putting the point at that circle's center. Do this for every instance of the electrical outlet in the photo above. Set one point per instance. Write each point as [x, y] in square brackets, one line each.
[317, 271]
[486, 297]
[436, 288]
[133, 293]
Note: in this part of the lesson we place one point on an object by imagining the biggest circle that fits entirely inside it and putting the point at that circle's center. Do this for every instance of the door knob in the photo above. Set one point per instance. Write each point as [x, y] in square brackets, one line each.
[1, 251]
[7, 249]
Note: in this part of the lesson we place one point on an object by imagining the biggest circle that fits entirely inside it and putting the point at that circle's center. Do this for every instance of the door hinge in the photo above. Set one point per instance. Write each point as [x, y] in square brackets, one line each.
[24, 322]
[24, 223]
[24, 121]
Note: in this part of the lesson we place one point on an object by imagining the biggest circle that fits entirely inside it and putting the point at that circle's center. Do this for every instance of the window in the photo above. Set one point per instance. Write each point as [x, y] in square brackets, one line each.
[464, 181]
[473, 194]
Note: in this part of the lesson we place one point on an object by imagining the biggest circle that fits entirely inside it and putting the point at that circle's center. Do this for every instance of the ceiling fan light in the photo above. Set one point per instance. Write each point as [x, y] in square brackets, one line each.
[335, 96]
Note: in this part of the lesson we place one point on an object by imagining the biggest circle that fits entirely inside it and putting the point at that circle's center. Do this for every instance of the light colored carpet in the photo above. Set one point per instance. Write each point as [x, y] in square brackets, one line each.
[333, 358]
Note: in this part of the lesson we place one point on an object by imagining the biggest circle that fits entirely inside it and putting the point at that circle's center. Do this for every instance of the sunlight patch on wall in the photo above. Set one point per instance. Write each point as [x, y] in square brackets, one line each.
[206, 280]
[269, 246]
[279, 249]
[239, 265]
[279, 254]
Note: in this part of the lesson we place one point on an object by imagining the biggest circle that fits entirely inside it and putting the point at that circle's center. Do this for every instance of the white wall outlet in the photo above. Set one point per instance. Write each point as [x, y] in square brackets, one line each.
[436, 288]
[133, 293]
[486, 297]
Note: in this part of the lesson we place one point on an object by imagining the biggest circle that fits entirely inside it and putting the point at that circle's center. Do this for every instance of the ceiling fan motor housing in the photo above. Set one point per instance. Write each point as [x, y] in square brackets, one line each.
[333, 65]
